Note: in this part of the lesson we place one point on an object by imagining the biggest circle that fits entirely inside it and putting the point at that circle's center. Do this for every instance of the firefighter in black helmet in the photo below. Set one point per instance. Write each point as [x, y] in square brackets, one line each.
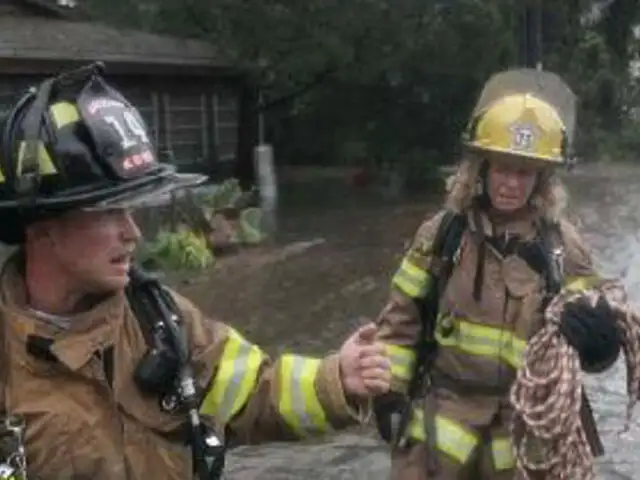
[90, 149]
[105, 365]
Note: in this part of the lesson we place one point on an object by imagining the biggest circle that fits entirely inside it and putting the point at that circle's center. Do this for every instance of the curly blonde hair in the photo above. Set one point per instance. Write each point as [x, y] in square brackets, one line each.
[549, 199]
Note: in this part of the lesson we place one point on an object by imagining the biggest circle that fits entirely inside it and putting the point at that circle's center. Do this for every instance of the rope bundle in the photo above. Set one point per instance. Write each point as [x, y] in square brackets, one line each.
[547, 395]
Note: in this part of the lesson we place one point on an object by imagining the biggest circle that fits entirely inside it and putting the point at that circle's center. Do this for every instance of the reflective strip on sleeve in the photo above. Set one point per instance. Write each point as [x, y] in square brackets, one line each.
[580, 283]
[234, 380]
[299, 404]
[484, 341]
[411, 279]
[402, 360]
[503, 454]
[451, 437]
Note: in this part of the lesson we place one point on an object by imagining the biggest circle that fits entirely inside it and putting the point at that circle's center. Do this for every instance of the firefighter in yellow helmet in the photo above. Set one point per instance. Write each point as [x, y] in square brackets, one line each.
[115, 375]
[471, 289]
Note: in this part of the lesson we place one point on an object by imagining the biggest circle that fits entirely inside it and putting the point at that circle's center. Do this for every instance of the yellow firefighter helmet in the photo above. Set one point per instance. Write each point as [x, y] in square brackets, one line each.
[525, 113]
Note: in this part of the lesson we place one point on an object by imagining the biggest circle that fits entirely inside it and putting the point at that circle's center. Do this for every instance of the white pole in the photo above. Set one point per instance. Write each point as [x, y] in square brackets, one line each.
[264, 166]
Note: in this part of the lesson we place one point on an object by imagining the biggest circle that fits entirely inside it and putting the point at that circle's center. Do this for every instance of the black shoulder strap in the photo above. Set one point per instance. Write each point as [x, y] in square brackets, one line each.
[154, 306]
[151, 303]
[444, 249]
[552, 240]
[140, 297]
[439, 241]
[446, 244]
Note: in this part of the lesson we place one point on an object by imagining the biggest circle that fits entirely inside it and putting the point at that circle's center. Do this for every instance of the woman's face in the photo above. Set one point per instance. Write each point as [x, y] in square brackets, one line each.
[510, 186]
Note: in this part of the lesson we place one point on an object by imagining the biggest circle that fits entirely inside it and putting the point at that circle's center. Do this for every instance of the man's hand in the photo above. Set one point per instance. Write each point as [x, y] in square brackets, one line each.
[364, 367]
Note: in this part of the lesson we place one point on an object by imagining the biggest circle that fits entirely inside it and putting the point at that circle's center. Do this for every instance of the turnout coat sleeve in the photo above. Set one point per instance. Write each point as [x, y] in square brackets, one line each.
[399, 321]
[253, 398]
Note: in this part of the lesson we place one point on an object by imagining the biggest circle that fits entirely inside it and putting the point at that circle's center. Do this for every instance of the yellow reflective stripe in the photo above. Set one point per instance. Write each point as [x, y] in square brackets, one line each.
[402, 359]
[64, 113]
[454, 440]
[502, 452]
[580, 283]
[44, 160]
[411, 279]
[299, 404]
[451, 437]
[234, 380]
[484, 341]
[416, 426]
[512, 349]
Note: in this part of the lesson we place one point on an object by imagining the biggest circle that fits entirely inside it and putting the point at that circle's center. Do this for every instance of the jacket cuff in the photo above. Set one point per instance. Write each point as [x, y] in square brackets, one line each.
[341, 412]
[399, 385]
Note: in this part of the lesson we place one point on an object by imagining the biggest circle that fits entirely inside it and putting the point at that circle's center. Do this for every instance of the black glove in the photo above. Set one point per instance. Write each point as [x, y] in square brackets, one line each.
[592, 331]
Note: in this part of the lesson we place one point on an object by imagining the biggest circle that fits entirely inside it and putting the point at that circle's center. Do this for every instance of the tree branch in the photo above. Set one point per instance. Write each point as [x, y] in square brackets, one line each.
[318, 79]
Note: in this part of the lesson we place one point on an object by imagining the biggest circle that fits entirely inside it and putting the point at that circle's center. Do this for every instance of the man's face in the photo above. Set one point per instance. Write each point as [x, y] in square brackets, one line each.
[510, 186]
[94, 249]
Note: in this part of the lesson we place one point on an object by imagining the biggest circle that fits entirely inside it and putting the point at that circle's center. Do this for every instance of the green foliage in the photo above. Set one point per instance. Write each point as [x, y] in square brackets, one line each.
[230, 196]
[182, 250]
[251, 232]
[227, 194]
[186, 250]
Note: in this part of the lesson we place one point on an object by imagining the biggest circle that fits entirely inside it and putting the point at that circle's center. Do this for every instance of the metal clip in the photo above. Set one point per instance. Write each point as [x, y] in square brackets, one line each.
[447, 326]
[558, 261]
[12, 443]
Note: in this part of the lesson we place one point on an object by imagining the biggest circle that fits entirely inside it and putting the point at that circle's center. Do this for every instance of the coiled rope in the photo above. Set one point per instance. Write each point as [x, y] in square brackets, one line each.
[547, 430]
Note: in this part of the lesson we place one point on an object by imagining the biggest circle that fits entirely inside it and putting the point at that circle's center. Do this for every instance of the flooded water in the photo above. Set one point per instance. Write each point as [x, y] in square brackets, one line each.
[333, 265]
[606, 201]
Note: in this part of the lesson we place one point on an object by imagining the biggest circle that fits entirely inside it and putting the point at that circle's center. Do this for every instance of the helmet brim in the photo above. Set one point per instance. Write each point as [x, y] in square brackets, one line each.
[152, 195]
[155, 193]
[509, 157]
[129, 194]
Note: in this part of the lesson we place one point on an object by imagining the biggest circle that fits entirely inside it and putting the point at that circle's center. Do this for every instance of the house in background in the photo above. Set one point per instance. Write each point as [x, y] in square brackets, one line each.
[199, 110]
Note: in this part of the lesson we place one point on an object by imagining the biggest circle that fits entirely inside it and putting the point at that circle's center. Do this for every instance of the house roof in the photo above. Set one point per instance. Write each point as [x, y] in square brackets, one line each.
[36, 37]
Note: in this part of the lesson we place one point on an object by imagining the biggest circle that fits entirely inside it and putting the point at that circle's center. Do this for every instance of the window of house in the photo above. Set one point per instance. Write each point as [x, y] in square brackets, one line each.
[185, 120]
[225, 114]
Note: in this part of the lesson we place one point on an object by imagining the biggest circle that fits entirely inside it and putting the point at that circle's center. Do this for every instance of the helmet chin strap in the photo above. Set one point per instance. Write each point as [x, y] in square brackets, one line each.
[482, 199]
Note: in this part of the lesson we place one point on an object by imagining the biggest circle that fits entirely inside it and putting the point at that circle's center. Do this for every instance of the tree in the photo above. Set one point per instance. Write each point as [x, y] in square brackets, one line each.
[380, 79]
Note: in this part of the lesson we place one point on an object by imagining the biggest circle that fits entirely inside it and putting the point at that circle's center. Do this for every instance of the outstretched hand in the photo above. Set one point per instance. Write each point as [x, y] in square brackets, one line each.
[365, 370]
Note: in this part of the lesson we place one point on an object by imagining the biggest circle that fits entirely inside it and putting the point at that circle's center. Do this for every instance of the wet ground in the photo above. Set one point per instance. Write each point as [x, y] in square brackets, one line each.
[332, 265]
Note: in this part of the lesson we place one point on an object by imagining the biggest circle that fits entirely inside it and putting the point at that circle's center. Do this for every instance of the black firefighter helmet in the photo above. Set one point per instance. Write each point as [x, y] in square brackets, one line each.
[74, 142]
